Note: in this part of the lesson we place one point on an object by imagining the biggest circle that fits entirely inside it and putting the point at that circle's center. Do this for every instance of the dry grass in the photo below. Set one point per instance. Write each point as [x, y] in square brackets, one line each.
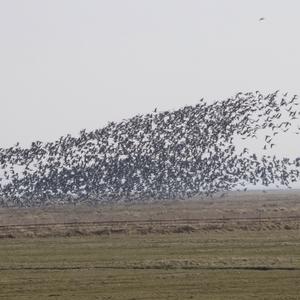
[201, 265]
[171, 259]
[252, 211]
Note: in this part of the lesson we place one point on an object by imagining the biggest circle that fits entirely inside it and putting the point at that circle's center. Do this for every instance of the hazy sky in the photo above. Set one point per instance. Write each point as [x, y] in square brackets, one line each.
[66, 65]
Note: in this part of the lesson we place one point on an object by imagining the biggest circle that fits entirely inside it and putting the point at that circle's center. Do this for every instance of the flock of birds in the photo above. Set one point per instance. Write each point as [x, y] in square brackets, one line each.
[162, 155]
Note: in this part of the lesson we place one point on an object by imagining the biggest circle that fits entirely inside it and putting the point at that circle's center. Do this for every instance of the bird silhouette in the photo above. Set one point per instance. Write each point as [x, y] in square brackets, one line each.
[160, 155]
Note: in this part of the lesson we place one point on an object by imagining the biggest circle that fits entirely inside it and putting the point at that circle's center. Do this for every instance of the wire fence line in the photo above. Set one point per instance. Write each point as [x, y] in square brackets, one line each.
[159, 222]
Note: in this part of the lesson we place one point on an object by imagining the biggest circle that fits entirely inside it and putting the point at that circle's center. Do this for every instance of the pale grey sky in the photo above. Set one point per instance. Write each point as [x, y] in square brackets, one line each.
[66, 65]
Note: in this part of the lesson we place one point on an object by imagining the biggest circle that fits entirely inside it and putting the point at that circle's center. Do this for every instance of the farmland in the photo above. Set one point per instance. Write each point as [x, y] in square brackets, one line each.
[237, 247]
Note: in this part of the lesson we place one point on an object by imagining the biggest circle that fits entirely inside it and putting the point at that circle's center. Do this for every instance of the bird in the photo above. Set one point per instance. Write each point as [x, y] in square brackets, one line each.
[159, 155]
[261, 19]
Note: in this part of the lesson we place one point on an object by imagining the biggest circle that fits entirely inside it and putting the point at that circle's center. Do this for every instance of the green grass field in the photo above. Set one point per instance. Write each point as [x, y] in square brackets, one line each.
[200, 265]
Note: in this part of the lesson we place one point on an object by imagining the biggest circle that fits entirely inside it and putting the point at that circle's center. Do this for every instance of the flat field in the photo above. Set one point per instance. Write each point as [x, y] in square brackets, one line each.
[238, 247]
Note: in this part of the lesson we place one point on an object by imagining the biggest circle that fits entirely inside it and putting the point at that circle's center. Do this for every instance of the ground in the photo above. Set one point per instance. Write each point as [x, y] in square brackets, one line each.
[242, 246]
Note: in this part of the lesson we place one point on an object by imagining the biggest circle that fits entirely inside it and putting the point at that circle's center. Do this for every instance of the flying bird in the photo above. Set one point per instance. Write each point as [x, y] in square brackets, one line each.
[261, 19]
[187, 152]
